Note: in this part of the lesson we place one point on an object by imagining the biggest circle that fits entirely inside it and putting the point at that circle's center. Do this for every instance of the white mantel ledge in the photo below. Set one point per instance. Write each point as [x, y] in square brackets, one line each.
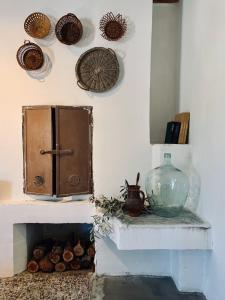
[149, 232]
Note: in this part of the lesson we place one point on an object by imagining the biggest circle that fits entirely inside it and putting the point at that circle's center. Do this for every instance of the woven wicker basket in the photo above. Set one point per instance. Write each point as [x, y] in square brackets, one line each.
[30, 56]
[37, 25]
[113, 27]
[97, 70]
[69, 29]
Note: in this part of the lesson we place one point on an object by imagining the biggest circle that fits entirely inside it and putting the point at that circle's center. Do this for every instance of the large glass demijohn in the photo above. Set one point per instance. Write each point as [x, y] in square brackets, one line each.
[167, 189]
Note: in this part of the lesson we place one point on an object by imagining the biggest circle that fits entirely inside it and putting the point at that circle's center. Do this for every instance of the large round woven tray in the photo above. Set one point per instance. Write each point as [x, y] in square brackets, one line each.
[97, 70]
[69, 29]
[30, 56]
[37, 25]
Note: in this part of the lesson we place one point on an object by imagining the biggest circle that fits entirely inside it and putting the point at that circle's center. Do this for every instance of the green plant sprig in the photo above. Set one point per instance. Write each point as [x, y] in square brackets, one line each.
[112, 208]
[109, 208]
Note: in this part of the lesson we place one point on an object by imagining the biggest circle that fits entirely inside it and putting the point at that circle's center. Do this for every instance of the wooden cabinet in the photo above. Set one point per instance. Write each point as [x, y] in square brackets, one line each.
[57, 147]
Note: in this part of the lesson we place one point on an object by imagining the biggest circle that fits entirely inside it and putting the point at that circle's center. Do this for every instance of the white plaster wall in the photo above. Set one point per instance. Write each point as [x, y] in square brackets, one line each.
[189, 268]
[164, 68]
[111, 261]
[121, 116]
[202, 93]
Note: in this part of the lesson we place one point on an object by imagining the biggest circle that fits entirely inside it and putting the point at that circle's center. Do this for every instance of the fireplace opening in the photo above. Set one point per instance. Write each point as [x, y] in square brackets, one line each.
[53, 248]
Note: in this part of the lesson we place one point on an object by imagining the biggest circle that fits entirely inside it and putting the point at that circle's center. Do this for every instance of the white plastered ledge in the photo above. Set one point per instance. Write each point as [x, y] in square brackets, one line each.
[35, 211]
[149, 232]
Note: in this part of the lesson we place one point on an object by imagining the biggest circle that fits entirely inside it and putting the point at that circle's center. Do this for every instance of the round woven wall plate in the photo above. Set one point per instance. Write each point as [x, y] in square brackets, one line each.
[97, 70]
[30, 56]
[69, 29]
[37, 25]
[113, 27]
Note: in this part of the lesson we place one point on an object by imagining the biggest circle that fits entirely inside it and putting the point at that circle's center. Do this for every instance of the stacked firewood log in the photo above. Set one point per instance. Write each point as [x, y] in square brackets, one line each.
[50, 256]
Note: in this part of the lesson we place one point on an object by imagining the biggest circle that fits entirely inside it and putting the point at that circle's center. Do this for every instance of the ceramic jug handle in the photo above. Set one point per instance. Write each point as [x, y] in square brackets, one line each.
[143, 195]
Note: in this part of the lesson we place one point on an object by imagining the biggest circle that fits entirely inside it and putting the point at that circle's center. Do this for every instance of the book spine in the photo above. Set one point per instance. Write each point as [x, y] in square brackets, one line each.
[172, 132]
[176, 133]
[169, 132]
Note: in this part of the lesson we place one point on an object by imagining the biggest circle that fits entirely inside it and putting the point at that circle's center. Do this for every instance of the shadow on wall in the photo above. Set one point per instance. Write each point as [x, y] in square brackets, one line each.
[87, 37]
[44, 71]
[5, 190]
[88, 33]
[125, 262]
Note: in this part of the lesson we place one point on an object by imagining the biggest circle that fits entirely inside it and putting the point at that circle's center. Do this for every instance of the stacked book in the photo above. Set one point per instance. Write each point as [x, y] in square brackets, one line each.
[177, 131]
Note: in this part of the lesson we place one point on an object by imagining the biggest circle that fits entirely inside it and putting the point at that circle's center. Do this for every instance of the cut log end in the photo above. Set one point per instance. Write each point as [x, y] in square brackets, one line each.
[68, 255]
[78, 249]
[46, 265]
[86, 262]
[60, 267]
[75, 265]
[32, 266]
[91, 251]
[54, 258]
[39, 252]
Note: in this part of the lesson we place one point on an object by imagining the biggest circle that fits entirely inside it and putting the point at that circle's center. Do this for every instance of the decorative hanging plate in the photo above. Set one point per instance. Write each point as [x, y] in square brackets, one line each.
[113, 27]
[37, 25]
[30, 56]
[97, 70]
[69, 29]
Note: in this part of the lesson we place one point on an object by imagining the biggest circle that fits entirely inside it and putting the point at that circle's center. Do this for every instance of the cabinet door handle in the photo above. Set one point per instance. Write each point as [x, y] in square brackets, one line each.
[56, 152]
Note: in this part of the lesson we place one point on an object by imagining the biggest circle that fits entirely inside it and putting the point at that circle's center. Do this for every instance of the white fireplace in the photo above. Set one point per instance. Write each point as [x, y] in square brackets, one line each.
[20, 230]
[179, 250]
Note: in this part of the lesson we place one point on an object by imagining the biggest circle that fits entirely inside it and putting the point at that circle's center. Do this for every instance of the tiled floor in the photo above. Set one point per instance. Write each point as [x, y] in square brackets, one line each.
[143, 288]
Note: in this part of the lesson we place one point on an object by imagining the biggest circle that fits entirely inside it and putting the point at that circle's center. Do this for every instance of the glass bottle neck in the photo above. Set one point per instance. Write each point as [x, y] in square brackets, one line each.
[167, 159]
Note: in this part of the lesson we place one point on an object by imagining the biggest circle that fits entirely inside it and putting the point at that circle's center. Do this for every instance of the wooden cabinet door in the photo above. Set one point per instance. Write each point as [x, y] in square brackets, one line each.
[74, 132]
[37, 135]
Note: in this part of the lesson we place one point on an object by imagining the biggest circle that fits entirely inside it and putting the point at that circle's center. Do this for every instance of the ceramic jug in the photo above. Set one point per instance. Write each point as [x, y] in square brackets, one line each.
[134, 203]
